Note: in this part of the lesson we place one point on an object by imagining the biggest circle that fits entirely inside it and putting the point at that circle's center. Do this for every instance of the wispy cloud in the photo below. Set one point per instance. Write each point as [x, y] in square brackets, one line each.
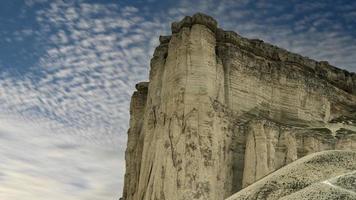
[37, 164]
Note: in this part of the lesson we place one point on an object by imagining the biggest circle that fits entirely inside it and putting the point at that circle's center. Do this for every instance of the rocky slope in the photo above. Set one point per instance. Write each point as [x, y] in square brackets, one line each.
[325, 175]
[221, 111]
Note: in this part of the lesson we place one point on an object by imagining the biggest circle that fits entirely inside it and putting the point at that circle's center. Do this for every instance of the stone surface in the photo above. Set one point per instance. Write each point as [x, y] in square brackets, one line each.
[326, 175]
[221, 111]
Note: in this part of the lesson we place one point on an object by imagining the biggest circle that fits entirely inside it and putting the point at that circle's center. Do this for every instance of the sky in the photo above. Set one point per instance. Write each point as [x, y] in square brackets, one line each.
[69, 67]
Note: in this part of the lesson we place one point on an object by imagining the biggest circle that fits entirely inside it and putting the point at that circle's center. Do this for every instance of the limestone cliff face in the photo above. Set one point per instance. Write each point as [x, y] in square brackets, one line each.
[221, 111]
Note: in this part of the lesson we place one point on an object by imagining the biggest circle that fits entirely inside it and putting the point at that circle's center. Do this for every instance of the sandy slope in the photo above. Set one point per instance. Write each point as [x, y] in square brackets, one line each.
[324, 175]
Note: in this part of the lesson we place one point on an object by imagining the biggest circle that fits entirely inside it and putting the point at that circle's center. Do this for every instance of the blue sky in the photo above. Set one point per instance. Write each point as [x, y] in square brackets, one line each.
[68, 69]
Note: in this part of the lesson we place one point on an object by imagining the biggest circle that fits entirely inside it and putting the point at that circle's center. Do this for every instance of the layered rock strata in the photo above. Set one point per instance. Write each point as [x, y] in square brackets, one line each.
[221, 111]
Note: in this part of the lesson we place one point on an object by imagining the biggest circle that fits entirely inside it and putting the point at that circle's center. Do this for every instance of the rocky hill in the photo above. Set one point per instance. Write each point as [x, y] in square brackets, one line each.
[326, 175]
[221, 111]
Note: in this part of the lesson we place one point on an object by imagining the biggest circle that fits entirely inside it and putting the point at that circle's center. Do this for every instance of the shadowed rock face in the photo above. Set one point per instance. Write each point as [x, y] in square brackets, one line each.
[221, 111]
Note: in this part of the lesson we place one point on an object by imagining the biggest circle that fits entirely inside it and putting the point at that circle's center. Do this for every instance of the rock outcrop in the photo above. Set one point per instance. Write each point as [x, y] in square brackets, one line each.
[221, 111]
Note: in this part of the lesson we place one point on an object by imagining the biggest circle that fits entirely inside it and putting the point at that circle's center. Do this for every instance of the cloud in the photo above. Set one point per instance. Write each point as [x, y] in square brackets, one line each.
[70, 110]
[89, 69]
[38, 164]
[74, 102]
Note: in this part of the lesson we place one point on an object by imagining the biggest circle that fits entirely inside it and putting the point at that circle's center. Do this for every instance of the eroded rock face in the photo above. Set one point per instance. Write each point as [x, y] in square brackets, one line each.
[221, 111]
[135, 140]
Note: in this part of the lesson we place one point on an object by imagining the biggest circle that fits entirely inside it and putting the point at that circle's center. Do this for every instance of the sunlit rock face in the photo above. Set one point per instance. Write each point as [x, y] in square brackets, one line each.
[221, 111]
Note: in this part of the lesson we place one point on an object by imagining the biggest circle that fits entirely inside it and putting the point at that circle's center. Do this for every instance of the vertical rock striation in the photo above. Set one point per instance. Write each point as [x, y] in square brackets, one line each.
[221, 111]
[135, 140]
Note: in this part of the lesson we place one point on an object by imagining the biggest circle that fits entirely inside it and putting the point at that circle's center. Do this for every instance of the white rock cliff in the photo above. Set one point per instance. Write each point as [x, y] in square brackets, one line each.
[221, 111]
